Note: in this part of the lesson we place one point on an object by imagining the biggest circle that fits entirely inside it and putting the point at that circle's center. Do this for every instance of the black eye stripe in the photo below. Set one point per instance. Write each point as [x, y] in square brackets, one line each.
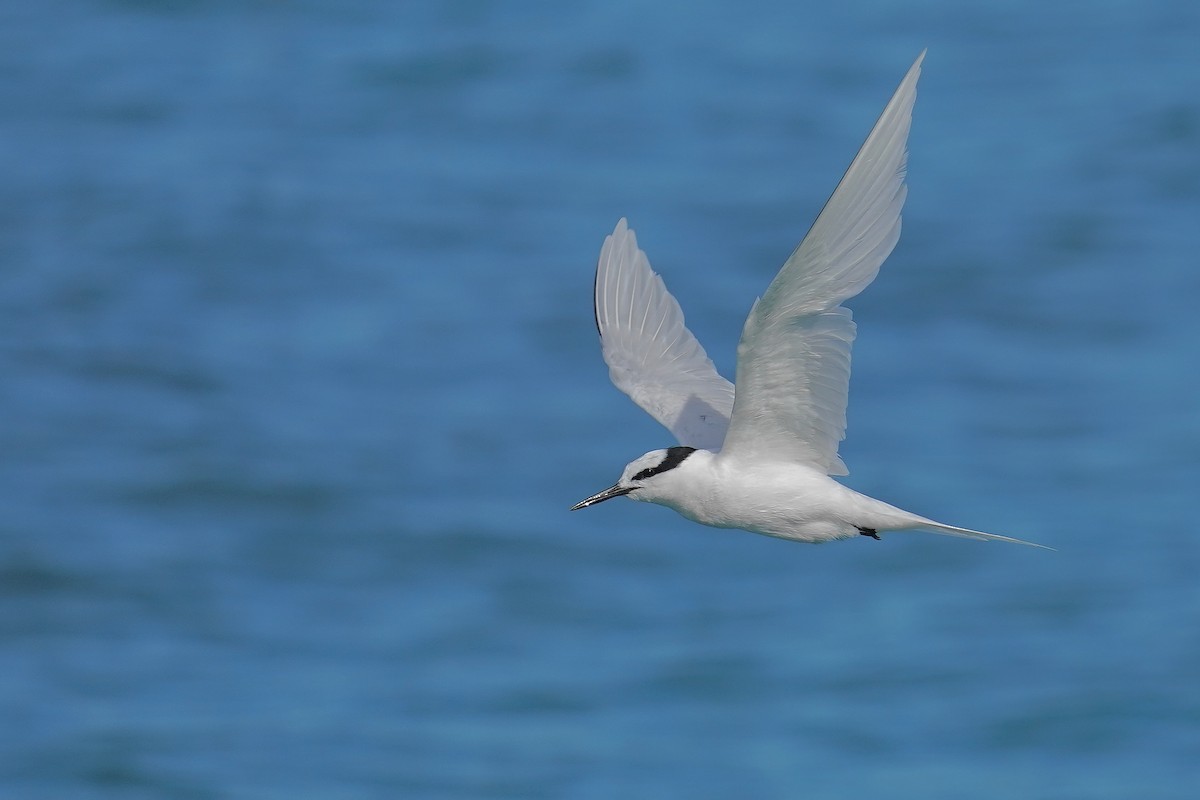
[675, 457]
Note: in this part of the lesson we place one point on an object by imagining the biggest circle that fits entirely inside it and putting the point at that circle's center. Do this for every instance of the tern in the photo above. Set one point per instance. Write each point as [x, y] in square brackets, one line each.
[760, 459]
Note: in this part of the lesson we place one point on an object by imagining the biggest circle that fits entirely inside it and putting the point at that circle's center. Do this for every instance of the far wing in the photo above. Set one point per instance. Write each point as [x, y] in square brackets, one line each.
[793, 371]
[651, 355]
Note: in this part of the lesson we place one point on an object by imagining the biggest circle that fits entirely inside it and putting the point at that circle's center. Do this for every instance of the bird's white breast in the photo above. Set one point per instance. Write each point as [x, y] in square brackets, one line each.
[778, 499]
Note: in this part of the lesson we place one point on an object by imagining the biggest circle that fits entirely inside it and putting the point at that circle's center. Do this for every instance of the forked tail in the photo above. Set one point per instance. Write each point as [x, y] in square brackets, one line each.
[950, 530]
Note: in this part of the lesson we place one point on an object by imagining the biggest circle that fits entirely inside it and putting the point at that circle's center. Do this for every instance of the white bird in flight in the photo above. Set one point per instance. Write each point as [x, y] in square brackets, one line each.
[760, 459]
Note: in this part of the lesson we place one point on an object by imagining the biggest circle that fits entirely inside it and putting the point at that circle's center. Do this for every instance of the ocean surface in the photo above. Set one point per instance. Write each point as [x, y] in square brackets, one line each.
[298, 378]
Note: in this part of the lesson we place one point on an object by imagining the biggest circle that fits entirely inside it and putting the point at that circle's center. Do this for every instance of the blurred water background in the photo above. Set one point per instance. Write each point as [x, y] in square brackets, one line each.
[298, 378]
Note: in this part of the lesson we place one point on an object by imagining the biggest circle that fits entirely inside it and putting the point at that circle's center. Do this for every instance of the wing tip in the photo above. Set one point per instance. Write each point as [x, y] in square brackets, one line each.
[915, 70]
[621, 228]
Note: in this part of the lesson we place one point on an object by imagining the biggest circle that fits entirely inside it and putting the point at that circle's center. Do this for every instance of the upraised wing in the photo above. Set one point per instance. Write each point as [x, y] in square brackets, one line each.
[651, 355]
[793, 371]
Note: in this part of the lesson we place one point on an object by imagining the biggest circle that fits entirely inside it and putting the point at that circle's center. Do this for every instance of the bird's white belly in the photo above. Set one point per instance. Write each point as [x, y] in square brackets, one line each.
[786, 501]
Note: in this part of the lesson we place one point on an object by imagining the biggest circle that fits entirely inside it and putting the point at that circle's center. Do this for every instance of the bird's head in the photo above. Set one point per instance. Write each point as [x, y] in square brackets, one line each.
[646, 478]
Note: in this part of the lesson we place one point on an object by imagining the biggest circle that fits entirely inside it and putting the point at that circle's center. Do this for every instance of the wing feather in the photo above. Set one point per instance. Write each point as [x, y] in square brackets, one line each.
[651, 355]
[793, 372]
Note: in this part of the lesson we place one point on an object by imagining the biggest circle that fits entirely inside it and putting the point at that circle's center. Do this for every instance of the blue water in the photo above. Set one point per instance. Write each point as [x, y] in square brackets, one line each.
[298, 378]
